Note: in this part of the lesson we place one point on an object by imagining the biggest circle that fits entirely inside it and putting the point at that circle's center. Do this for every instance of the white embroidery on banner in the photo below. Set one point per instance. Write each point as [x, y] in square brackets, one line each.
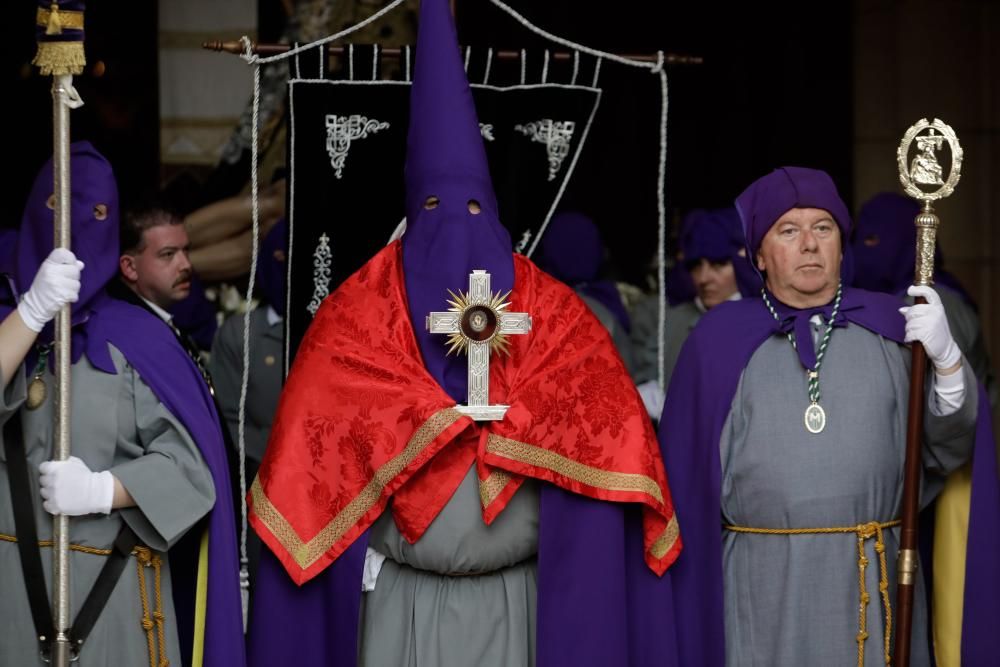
[341, 131]
[322, 263]
[556, 135]
[486, 129]
[523, 243]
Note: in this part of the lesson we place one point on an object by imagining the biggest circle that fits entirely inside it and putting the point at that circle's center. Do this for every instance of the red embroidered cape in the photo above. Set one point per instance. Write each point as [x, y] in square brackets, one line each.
[361, 421]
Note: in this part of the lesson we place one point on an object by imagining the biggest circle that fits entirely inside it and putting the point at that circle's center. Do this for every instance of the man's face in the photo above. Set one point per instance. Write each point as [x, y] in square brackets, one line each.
[801, 256]
[714, 281]
[161, 272]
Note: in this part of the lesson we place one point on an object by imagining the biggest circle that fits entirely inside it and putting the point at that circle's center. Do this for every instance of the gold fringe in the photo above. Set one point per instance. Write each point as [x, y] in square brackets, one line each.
[57, 58]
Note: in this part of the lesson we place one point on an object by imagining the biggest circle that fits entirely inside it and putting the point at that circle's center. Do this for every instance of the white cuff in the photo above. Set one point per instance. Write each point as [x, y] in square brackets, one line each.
[373, 565]
[949, 393]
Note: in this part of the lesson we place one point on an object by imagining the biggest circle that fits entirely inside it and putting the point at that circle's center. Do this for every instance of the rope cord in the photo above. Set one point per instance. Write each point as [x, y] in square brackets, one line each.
[864, 532]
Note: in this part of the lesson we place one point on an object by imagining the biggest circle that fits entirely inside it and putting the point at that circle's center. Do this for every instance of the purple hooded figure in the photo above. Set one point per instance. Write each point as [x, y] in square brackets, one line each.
[716, 236]
[573, 252]
[621, 616]
[883, 244]
[781, 511]
[162, 443]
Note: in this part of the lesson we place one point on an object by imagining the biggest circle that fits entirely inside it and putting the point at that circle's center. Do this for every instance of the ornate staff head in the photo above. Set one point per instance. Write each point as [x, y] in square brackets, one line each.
[59, 31]
[923, 178]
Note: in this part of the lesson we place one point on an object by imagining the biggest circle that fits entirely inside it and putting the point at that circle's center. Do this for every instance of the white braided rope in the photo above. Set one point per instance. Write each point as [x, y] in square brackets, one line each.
[489, 65]
[524, 66]
[655, 68]
[350, 62]
[661, 211]
[253, 58]
[468, 52]
[245, 381]
[407, 62]
[576, 67]
[375, 48]
[545, 67]
[256, 61]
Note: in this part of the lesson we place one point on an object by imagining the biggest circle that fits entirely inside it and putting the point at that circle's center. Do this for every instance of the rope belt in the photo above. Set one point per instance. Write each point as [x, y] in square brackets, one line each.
[864, 532]
[144, 557]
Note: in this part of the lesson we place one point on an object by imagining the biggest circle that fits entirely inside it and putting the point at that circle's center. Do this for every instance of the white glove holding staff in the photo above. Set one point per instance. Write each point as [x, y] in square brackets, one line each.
[69, 487]
[56, 284]
[927, 323]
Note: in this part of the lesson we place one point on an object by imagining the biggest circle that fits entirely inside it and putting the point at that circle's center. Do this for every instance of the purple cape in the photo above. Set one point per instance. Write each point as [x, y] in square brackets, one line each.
[151, 348]
[697, 405]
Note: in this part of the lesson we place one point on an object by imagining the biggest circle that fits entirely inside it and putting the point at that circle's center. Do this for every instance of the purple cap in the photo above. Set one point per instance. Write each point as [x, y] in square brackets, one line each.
[714, 235]
[94, 223]
[571, 249]
[771, 196]
[446, 159]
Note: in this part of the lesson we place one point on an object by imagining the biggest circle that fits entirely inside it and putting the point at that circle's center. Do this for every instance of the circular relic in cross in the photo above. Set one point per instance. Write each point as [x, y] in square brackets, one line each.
[479, 323]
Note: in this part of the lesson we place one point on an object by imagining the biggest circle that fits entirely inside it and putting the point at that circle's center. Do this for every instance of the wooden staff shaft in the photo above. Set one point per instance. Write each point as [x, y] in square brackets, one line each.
[926, 223]
[60, 522]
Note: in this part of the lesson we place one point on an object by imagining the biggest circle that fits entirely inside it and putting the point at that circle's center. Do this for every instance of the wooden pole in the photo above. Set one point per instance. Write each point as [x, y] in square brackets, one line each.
[926, 223]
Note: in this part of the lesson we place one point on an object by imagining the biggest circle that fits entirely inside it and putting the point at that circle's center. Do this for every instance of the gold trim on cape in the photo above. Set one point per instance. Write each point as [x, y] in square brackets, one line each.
[307, 553]
[665, 542]
[595, 477]
[492, 486]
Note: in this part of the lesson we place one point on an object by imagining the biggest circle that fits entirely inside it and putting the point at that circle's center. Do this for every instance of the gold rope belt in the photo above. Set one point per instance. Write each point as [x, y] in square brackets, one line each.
[144, 557]
[864, 531]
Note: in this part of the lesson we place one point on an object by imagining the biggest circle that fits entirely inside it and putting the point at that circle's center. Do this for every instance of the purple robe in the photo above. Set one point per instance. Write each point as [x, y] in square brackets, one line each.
[697, 405]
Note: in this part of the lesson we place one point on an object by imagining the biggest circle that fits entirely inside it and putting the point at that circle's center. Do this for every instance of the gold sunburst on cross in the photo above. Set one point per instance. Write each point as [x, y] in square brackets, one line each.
[478, 322]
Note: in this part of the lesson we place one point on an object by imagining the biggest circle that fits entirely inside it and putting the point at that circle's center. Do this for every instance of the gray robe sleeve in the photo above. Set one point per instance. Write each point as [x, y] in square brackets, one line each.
[164, 472]
[225, 367]
[14, 394]
[948, 440]
[645, 340]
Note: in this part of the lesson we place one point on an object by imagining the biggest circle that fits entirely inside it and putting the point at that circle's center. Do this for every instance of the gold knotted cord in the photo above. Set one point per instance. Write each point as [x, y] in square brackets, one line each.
[864, 532]
[144, 557]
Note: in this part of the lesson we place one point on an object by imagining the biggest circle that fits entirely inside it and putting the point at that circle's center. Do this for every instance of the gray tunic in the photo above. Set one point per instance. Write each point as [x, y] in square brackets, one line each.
[117, 425]
[226, 369]
[463, 595]
[679, 320]
[794, 600]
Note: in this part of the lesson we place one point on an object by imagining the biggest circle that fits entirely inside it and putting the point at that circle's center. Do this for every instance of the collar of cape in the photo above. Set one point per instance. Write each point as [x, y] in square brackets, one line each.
[361, 421]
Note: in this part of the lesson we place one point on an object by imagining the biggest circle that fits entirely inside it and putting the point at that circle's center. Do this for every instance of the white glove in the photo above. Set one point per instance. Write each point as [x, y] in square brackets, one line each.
[652, 398]
[928, 324]
[56, 284]
[70, 488]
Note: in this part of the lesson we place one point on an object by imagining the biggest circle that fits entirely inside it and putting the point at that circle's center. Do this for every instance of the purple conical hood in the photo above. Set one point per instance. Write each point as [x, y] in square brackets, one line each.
[93, 221]
[446, 159]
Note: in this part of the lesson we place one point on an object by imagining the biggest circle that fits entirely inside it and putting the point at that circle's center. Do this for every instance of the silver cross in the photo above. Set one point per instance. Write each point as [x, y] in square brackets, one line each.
[478, 322]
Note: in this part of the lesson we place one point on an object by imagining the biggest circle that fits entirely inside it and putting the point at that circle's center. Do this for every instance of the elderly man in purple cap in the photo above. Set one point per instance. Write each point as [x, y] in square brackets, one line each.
[147, 479]
[713, 254]
[786, 420]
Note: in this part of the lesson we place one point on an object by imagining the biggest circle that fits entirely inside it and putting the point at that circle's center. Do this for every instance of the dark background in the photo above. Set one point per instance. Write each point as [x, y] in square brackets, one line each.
[775, 88]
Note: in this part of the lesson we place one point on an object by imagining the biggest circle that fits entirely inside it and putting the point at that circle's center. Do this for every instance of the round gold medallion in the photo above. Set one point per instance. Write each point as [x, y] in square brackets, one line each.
[36, 393]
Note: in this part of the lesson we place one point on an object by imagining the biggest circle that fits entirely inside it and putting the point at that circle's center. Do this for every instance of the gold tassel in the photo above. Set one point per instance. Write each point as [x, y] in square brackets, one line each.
[57, 58]
[55, 23]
